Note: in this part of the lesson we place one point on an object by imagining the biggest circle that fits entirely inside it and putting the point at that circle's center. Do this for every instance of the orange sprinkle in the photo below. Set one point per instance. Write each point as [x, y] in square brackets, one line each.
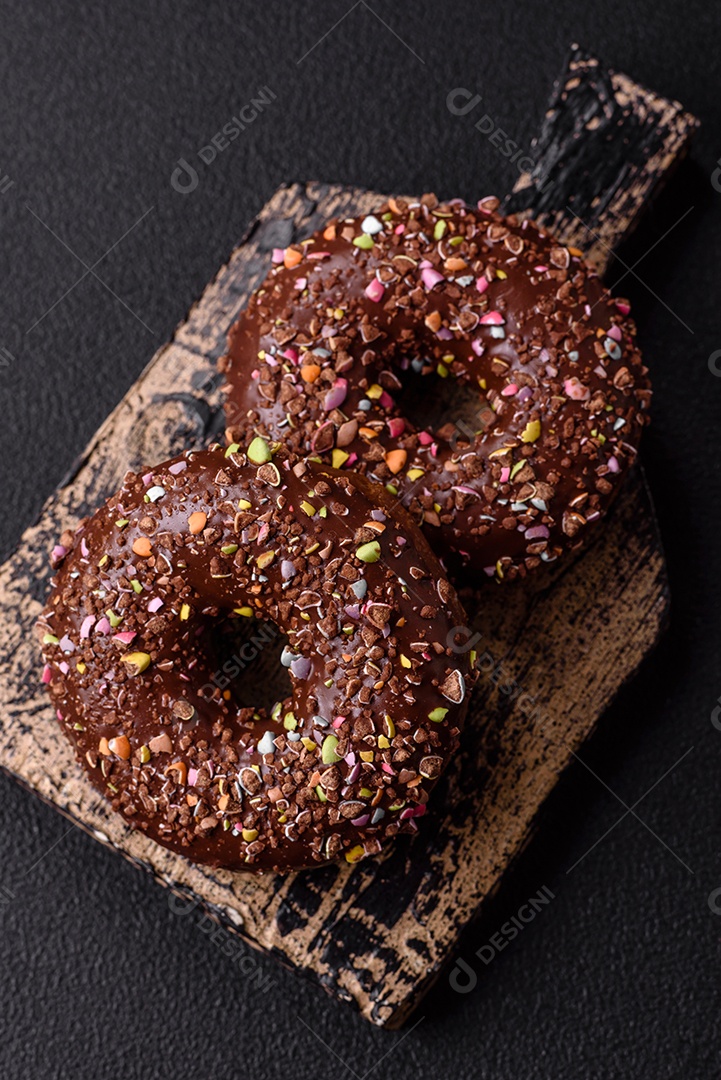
[433, 321]
[309, 372]
[181, 768]
[120, 746]
[197, 522]
[329, 233]
[455, 264]
[368, 433]
[396, 459]
[291, 258]
[141, 546]
[104, 747]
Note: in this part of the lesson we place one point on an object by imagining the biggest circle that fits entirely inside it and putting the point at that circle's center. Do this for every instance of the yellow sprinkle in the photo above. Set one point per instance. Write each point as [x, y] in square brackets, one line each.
[307, 508]
[184, 612]
[389, 726]
[414, 474]
[531, 432]
[374, 392]
[366, 755]
[354, 854]
[246, 611]
[339, 458]
[265, 559]
[309, 744]
[405, 662]
[501, 274]
[383, 742]
[249, 835]
[81, 667]
[243, 504]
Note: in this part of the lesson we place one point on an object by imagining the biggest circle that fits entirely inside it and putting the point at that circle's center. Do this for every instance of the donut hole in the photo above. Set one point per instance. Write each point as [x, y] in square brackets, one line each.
[450, 407]
[247, 655]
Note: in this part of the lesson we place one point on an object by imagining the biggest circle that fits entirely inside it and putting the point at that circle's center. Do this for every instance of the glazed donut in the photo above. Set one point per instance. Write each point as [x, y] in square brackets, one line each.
[326, 349]
[378, 680]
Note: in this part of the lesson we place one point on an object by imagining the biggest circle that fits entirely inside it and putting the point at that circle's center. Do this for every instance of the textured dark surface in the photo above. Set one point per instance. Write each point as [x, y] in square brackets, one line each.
[617, 977]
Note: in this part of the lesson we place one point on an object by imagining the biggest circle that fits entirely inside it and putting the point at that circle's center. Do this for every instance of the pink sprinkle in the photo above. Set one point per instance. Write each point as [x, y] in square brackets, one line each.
[505, 474]
[431, 278]
[399, 229]
[374, 291]
[300, 283]
[361, 821]
[336, 395]
[386, 768]
[178, 467]
[400, 540]
[338, 722]
[192, 777]
[319, 254]
[59, 552]
[386, 401]
[148, 478]
[290, 354]
[64, 667]
[103, 626]
[623, 307]
[576, 390]
[510, 390]
[615, 333]
[255, 374]
[478, 347]
[47, 675]
[613, 464]
[540, 269]
[396, 427]
[424, 438]
[524, 393]
[84, 548]
[425, 264]
[482, 284]
[155, 604]
[87, 625]
[278, 255]
[352, 459]
[538, 532]
[126, 636]
[349, 758]
[492, 318]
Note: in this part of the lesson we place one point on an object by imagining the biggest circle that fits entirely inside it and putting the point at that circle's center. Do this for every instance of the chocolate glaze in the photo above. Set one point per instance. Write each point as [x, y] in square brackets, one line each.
[378, 680]
[321, 355]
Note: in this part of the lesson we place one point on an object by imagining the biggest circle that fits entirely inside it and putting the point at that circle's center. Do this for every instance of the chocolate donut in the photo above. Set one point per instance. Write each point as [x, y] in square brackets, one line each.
[347, 320]
[378, 680]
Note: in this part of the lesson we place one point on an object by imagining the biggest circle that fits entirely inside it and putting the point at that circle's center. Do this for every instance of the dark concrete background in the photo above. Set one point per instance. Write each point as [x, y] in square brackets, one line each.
[99, 978]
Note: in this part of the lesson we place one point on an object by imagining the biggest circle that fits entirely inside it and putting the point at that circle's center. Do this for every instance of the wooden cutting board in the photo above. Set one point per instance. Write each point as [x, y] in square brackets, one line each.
[554, 651]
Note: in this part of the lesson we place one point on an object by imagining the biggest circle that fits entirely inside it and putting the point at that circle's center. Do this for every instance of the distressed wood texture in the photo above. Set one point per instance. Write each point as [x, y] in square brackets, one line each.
[554, 653]
[605, 148]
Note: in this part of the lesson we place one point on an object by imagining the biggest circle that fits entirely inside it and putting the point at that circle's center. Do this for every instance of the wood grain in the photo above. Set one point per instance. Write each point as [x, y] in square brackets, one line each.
[554, 653]
[605, 149]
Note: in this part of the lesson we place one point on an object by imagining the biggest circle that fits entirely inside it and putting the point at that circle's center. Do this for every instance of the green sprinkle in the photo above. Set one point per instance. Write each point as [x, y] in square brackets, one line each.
[370, 552]
[137, 587]
[455, 241]
[259, 451]
[229, 549]
[232, 449]
[289, 722]
[517, 467]
[327, 750]
[122, 522]
[439, 229]
[321, 794]
[115, 620]
[436, 715]
[364, 241]
[49, 639]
